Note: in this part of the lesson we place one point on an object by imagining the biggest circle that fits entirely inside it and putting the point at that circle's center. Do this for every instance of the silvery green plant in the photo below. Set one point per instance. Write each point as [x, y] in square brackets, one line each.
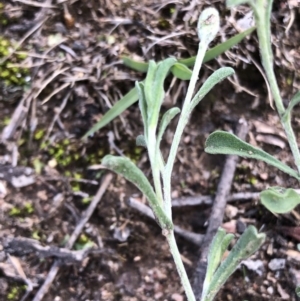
[151, 95]
[276, 199]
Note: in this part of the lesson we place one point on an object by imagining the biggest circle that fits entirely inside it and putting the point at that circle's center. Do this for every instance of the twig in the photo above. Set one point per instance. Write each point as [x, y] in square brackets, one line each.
[144, 209]
[58, 112]
[217, 213]
[21, 246]
[36, 4]
[17, 118]
[85, 217]
[196, 200]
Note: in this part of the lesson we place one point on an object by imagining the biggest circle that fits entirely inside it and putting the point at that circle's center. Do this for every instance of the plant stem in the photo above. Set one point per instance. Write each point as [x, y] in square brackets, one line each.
[180, 127]
[179, 265]
[155, 165]
[263, 24]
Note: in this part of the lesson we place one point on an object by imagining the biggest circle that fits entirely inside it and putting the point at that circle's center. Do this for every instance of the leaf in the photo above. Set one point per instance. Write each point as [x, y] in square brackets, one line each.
[135, 65]
[214, 255]
[216, 251]
[279, 200]
[212, 80]
[166, 119]
[294, 101]
[154, 92]
[148, 86]
[143, 108]
[219, 49]
[232, 3]
[130, 98]
[181, 71]
[248, 243]
[225, 143]
[126, 168]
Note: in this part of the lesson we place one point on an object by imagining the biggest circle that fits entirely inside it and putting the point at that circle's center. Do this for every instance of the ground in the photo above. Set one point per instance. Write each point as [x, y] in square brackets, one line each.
[68, 73]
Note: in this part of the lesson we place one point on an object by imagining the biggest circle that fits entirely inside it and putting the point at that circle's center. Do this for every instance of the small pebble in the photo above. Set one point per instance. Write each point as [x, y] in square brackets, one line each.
[277, 264]
[270, 290]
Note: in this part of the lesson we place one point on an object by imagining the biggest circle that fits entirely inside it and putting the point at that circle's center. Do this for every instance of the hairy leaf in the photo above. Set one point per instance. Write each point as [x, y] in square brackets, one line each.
[279, 200]
[225, 143]
[125, 167]
[248, 243]
[143, 108]
[154, 91]
[216, 251]
[166, 119]
[212, 80]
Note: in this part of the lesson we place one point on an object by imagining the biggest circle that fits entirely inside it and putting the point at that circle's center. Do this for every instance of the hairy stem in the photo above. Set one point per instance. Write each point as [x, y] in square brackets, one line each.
[263, 25]
[184, 116]
[179, 265]
[155, 165]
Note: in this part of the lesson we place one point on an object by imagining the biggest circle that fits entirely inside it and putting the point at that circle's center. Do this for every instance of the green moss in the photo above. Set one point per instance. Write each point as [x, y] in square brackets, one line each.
[28, 208]
[75, 187]
[23, 211]
[39, 134]
[11, 74]
[14, 292]
[86, 200]
[38, 165]
[14, 211]
[252, 180]
[35, 235]
[83, 242]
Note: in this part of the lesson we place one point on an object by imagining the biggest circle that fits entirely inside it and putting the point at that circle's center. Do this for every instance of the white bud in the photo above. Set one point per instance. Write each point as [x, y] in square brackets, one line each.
[208, 25]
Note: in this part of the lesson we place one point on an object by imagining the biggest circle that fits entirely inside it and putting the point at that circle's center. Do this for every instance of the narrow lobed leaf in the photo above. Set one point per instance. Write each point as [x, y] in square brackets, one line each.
[125, 167]
[135, 65]
[219, 49]
[224, 143]
[279, 200]
[233, 3]
[143, 108]
[130, 98]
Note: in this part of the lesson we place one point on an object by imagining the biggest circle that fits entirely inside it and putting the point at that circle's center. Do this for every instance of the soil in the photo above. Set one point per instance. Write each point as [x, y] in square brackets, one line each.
[49, 175]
